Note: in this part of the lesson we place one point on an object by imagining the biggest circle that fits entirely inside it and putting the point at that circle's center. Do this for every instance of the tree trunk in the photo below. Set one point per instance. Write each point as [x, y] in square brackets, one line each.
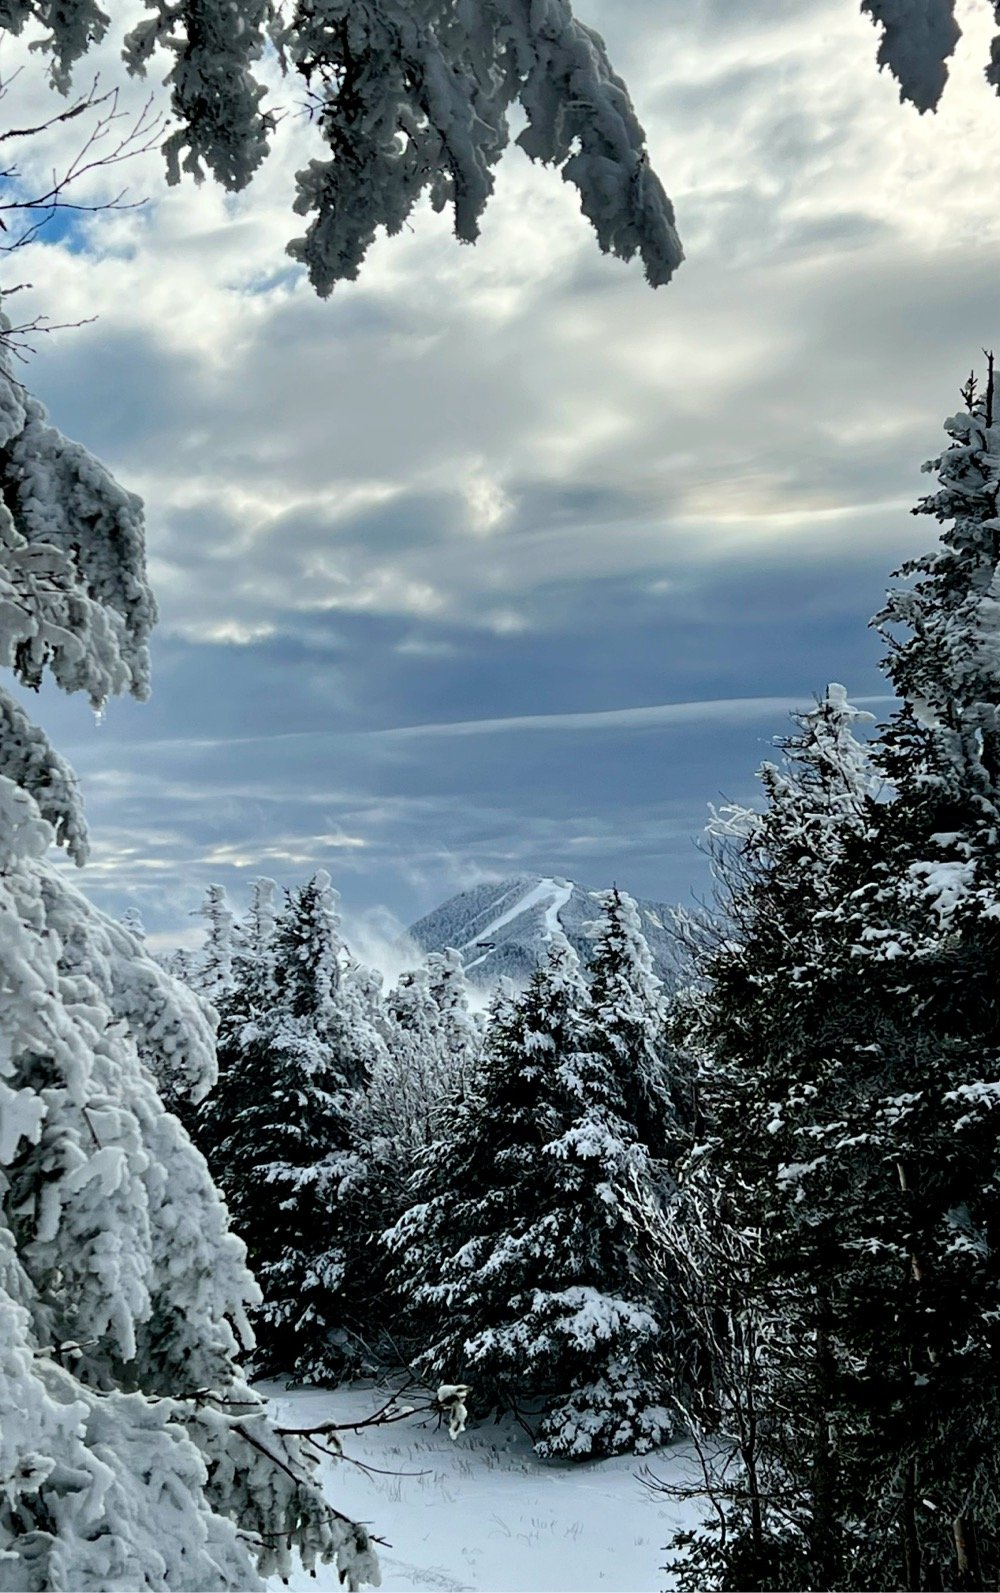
[968, 1572]
[911, 1537]
[749, 1457]
[826, 1533]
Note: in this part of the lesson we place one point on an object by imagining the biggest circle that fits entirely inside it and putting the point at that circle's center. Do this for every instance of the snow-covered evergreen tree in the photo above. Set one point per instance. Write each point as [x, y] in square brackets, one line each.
[519, 1259]
[925, 933]
[459, 1033]
[432, 1042]
[257, 930]
[626, 1018]
[765, 1241]
[133, 1455]
[855, 1033]
[215, 972]
[294, 1047]
[131, 920]
[430, 1045]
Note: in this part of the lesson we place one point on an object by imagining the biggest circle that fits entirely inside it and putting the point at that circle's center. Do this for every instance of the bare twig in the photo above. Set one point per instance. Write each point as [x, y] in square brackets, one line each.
[15, 338]
[140, 134]
[383, 1417]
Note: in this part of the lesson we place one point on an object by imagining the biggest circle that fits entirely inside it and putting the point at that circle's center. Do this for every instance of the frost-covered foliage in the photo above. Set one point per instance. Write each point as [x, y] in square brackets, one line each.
[626, 1024]
[216, 962]
[432, 1043]
[783, 861]
[941, 751]
[409, 97]
[852, 1027]
[133, 1454]
[917, 40]
[520, 1257]
[946, 664]
[328, 1092]
[417, 96]
[296, 1042]
[73, 594]
[925, 924]
[255, 944]
[457, 1030]
[764, 1234]
[33, 764]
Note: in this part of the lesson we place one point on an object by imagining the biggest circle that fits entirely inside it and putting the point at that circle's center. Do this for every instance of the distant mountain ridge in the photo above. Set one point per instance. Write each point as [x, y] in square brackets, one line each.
[502, 928]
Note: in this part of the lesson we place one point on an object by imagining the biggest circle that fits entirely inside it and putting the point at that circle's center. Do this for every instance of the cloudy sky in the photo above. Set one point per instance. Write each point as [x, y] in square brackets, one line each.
[499, 561]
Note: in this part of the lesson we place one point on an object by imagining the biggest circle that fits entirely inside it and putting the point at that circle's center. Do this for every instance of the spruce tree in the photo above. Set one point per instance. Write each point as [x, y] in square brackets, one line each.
[133, 1453]
[926, 931]
[254, 948]
[429, 1046]
[626, 1019]
[855, 1035]
[520, 1259]
[215, 967]
[432, 1043]
[294, 1046]
[458, 1032]
[764, 1236]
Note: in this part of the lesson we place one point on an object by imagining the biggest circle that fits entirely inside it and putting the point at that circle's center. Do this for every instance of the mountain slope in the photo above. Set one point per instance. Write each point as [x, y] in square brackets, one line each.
[502, 928]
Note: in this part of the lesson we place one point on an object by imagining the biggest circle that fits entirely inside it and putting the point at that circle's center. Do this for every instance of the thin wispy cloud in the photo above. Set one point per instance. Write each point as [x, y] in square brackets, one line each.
[660, 716]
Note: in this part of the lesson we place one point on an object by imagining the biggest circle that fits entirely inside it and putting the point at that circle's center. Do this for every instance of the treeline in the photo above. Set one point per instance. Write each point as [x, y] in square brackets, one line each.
[764, 1211]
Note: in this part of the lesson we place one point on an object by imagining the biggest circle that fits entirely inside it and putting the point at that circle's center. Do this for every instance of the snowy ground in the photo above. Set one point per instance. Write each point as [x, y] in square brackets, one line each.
[484, 1514]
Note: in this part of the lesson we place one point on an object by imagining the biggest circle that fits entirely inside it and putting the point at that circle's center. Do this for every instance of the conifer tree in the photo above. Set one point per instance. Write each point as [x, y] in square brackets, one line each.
[294, 1046]
[626, 1018]
[215, 972]
[520, 1260]
[431, 1047]
[131, 920]
[254, 948]
[764, 1238]
[459, 1033]
[925, 926]
[855, 1032]
[132, 1452]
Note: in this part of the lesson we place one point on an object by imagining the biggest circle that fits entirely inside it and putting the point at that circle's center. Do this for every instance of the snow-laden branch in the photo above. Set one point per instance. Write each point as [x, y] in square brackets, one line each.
[410, 97]
[918, 39]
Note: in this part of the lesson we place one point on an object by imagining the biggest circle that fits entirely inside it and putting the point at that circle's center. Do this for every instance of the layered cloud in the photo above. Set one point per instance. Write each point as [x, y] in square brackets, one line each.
[511, 490]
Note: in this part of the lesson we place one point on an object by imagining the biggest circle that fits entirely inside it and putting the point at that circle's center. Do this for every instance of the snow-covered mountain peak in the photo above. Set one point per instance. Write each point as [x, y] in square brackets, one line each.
[502, 928]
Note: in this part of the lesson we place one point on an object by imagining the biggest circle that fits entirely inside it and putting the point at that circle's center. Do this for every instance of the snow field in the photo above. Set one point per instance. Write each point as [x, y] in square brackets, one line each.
[482, 1514]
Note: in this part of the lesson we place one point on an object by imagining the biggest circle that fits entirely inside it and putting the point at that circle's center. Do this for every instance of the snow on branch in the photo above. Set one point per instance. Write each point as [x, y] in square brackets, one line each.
[120, 1278]
[413, 98]
[215, 98]
[918, 39]
[30, 760]
[75, 26]
[73, 591]
[409, 97]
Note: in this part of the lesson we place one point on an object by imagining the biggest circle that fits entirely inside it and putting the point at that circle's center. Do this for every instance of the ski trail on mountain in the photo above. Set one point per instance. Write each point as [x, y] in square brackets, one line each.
[541, 891]
[563, 890]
